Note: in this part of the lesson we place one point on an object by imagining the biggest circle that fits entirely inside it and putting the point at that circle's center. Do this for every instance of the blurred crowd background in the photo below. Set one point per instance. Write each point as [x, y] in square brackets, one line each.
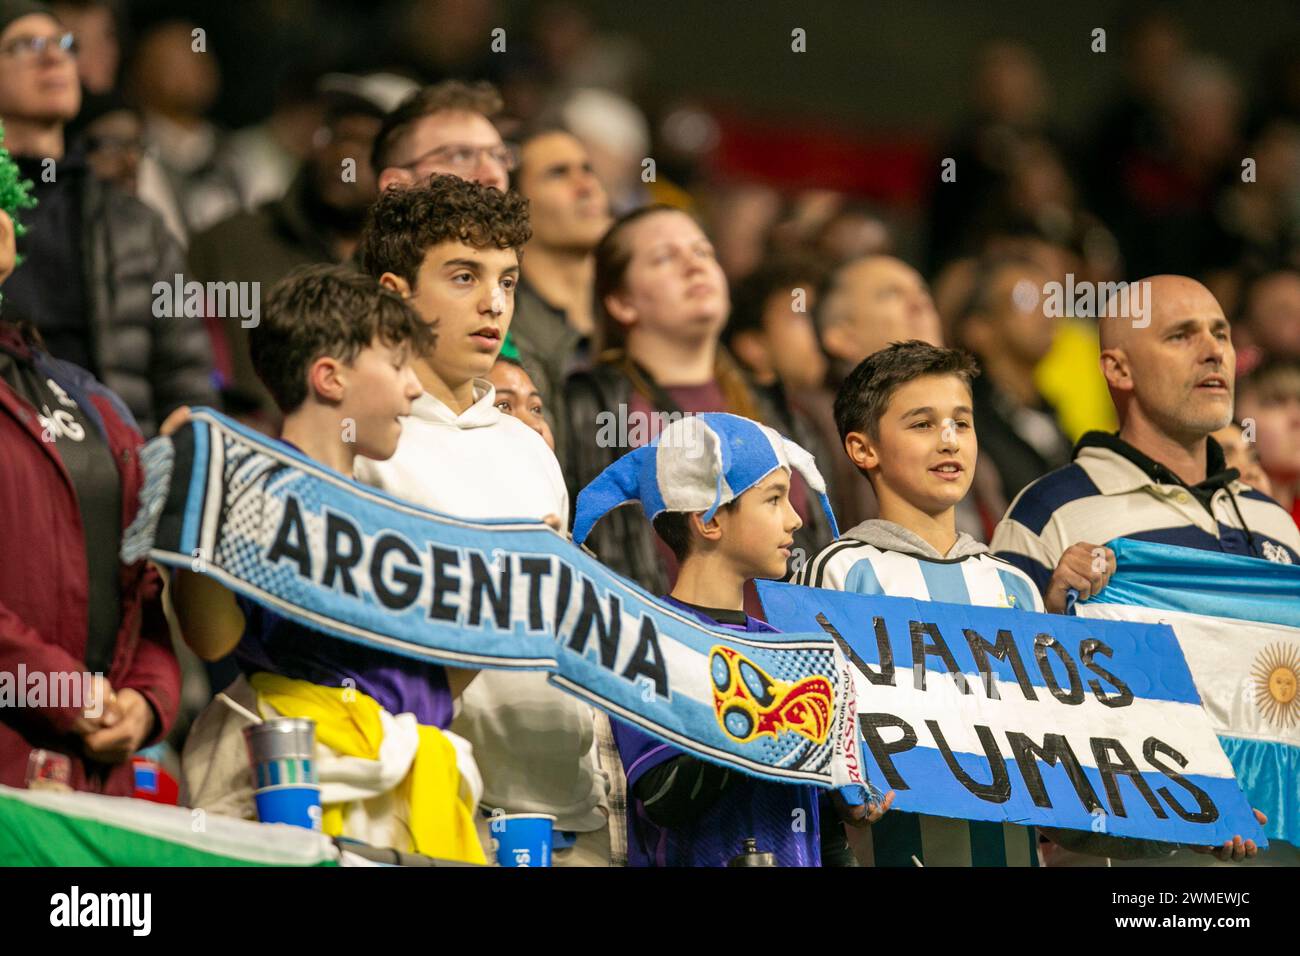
[865, 175]
[1130, 154]
[1125, 162]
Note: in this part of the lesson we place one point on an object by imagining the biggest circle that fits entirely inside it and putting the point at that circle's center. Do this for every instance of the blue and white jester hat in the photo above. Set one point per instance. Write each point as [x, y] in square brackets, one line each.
[698, 463]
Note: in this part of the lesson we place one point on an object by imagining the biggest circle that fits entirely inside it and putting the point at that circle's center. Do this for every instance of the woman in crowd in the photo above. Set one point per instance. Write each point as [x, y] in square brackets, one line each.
[662, 301]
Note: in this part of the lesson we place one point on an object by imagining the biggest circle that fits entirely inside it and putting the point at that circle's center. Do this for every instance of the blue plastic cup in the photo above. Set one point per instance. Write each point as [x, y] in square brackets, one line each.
[281, 751]
[522, 839]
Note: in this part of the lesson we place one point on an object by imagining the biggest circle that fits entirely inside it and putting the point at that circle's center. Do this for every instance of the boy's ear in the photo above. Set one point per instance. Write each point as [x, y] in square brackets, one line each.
[710, 530]
[395, 282]
[862, 451]
[325, 379]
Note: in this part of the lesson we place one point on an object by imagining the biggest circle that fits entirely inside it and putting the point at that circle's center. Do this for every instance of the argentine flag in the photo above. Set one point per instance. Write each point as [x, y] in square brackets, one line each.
[1238, 622]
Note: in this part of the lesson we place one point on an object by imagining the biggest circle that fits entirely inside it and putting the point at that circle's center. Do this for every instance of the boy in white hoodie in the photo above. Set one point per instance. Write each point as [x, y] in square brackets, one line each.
[451, 248]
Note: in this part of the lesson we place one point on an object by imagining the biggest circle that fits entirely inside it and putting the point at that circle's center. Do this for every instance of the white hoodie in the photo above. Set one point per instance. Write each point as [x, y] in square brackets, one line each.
[481, 463]
[533, 743]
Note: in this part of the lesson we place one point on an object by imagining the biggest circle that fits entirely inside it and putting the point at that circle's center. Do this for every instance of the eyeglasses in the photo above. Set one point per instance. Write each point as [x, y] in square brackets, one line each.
[30, 48]
[464, 158]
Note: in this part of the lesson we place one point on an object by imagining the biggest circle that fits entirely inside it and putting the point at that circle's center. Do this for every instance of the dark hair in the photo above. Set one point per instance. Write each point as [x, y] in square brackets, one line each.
[326, 310]
[1274, 378]
[526, 136]
[407, 221]
[674, 528]
[750, 296]
[613, 254]
[862, 399]
[447, 96]
[980, 301]
[1249, 291]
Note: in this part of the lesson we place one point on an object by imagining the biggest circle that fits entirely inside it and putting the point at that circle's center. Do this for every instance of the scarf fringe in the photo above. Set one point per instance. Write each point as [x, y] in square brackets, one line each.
[157, 459]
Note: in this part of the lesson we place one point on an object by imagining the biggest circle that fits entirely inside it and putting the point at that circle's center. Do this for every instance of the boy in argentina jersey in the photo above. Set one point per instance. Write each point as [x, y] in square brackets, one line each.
[717, 489]
[904, 416]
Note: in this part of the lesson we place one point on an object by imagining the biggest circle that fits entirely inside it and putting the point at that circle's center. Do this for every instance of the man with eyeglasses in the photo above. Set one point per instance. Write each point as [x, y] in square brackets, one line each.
[445, 129]
[318, 219]
[92, 252]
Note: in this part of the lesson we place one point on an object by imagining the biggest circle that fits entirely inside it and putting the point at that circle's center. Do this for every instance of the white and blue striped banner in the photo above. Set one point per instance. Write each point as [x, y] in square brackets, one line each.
[362, 566]
[999, 714]
[1238, 622]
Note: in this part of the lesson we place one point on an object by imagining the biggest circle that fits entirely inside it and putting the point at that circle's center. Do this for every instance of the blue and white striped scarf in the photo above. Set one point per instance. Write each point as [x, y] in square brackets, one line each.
[362, 566]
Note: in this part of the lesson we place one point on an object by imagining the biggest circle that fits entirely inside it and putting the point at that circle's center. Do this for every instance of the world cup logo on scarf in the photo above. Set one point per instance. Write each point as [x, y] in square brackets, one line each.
[749, 704]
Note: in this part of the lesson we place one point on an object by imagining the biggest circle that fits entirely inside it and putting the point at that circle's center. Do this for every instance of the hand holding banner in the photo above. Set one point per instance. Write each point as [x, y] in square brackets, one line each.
[1238, 624]
[1006, 715]
[365, 567]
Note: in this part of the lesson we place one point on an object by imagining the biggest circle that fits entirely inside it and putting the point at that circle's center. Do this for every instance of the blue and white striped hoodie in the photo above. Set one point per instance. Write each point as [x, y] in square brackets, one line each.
[881, 557]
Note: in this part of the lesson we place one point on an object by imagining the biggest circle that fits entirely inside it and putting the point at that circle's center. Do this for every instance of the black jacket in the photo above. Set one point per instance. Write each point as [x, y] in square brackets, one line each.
[548, 347]
[154, 364]
[1018, 455]
[93, 256]
[262, 245]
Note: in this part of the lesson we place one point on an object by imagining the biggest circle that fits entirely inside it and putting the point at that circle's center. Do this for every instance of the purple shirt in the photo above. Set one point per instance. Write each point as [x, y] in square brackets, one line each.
[401, 685]
[749, 807]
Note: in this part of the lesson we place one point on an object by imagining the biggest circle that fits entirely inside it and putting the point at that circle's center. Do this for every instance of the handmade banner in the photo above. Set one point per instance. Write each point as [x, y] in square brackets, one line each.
[363, 566]
[1006, 715]
[1238, 622]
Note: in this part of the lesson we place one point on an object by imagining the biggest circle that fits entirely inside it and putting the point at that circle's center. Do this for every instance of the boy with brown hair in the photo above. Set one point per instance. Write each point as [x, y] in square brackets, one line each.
[334, 349]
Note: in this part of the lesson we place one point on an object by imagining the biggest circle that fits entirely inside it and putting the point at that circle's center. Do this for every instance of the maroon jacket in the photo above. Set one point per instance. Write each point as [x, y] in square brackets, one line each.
[43, 586]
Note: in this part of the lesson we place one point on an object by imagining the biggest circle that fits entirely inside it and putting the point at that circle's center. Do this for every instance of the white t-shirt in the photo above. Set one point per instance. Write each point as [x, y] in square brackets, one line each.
[533, 744]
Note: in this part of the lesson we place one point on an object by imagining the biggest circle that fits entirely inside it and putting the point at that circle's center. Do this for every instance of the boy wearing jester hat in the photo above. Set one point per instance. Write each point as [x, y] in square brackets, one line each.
[717, 489]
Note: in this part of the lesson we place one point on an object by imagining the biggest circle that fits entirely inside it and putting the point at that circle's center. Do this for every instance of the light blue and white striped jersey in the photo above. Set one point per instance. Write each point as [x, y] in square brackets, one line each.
[880, 557]
[975, 578]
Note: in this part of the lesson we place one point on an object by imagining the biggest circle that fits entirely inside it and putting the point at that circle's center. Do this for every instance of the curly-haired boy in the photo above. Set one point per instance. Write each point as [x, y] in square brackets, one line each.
[451, 247]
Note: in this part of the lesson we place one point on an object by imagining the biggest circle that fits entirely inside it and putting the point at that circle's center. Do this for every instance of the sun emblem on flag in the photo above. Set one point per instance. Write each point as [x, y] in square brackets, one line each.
[1277, 675]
